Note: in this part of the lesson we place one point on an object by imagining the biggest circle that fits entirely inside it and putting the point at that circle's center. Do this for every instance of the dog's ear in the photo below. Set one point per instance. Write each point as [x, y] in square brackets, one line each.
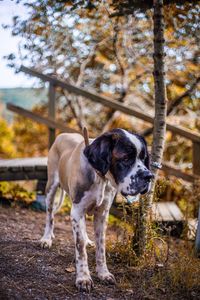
[99, 153]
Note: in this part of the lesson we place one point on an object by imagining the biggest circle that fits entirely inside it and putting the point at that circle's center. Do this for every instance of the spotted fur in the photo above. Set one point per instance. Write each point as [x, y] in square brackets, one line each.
[123, 159]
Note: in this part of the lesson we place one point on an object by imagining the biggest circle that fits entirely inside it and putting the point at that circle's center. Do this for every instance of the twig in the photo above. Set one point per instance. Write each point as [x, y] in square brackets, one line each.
[175, 103]
[64, 287]
[30, 259]
[81, 76]
[123, 91]
[73, 110]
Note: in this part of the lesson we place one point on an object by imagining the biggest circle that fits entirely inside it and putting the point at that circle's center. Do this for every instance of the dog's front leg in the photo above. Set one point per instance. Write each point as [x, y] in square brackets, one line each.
[100, 225]
[83, 278]
[87, 239]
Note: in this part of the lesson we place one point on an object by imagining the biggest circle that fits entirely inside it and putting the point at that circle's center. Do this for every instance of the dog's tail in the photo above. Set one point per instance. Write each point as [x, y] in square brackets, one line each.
[60, 202]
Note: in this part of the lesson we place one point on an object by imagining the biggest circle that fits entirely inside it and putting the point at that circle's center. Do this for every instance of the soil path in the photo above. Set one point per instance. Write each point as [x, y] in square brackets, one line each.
[29, 272]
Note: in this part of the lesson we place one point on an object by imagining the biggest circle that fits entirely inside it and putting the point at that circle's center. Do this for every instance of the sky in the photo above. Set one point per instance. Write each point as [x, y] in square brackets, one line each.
[9, 44]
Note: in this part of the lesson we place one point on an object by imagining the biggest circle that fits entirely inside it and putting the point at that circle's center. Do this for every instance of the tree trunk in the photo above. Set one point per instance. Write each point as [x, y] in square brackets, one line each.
[159, 123]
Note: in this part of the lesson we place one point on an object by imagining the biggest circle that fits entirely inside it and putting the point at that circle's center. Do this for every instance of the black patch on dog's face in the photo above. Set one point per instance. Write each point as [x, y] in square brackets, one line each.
[123, 159]
[114, 151]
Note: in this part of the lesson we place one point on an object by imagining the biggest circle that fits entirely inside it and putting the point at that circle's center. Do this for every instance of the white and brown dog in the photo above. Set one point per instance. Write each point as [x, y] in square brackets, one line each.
[122, 159]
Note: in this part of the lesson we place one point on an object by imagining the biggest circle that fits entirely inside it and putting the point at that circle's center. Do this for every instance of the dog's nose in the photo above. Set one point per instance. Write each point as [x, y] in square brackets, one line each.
[147, 175]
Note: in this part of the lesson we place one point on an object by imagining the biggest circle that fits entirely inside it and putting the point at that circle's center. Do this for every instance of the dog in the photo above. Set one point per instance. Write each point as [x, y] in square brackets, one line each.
[115, 162]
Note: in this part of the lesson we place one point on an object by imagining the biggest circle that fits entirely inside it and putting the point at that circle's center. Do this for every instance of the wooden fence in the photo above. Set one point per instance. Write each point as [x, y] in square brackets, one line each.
[36, 169]
[113, 104]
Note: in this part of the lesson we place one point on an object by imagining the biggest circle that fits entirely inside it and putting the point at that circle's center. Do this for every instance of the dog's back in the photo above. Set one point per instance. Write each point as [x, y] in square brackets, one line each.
[64, 144]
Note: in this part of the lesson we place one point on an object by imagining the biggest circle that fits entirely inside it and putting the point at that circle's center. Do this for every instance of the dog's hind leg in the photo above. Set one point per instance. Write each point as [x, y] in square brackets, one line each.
[46, 240]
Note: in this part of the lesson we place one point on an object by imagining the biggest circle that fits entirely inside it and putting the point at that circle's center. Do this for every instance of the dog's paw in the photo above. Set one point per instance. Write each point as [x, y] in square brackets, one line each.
[107, 278]
[45, 242]
[84, 284]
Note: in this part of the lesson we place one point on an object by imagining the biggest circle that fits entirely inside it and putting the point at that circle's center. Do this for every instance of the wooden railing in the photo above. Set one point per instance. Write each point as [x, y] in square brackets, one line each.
[113, 104]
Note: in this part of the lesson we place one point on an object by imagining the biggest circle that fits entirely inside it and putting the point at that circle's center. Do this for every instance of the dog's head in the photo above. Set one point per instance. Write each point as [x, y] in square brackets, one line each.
[125, 155]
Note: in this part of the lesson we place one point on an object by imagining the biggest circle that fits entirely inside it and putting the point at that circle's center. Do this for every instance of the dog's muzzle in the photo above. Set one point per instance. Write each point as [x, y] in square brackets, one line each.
[143, 184]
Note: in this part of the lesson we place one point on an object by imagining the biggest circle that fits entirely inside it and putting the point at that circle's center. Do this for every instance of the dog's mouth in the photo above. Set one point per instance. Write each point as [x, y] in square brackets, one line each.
[131, 199]
[142, 191]
[125, 195]
[145, 190]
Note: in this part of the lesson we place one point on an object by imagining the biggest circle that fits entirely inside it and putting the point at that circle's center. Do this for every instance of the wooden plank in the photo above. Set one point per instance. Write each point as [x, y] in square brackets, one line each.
[23, 162]
[15, 169]
[172, 227]
[88, 94]
[114, 104]
[40, 168]
[22, 175]
[166, 168]
[175, 211]
[160, 212]
[4, 169]
[164, 212]
[166, 220]
[28, 168]
[171, 170]
[52, 112]
[182, 131]
[196, 158]
[23, 169]
[39, 119]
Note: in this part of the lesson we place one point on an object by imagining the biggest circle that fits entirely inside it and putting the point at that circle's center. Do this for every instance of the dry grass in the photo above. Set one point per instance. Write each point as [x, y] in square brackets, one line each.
[169, 268]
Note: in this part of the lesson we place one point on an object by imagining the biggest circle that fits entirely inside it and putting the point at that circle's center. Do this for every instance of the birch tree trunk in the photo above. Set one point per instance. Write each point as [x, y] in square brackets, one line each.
[144, 222]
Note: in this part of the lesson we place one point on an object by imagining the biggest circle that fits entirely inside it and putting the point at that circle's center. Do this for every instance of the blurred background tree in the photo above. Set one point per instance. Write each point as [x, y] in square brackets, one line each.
[94, 45]
[91, 44]
[7, 149]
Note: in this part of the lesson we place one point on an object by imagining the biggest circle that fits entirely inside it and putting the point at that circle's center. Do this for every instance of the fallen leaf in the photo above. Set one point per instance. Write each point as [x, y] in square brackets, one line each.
[70, 269]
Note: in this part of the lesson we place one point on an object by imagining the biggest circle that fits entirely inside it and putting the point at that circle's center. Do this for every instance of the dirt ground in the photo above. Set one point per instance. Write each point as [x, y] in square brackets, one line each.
[29, 272]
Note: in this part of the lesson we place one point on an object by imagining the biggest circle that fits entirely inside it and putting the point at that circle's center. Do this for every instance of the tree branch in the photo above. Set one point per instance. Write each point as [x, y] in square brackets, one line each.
[175, 103]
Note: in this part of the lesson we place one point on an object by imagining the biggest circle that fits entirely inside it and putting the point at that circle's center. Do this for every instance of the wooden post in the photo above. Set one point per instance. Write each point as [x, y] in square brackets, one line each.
[51, 112]
[196, 188]
[196, 158]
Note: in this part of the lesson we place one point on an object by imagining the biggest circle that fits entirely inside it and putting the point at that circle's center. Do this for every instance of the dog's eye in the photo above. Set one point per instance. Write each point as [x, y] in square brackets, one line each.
[126, 158]
[142, 155]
